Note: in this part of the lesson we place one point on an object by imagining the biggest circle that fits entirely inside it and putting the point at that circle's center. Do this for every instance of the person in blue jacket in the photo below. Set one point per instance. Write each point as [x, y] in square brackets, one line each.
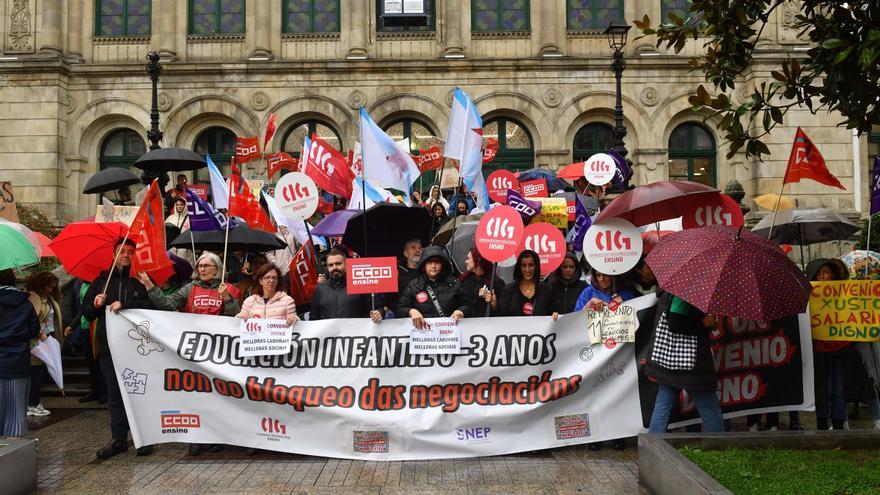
[600, 292]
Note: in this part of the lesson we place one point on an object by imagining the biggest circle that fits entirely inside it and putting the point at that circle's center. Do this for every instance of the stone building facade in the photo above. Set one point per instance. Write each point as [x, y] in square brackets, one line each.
[75, 97]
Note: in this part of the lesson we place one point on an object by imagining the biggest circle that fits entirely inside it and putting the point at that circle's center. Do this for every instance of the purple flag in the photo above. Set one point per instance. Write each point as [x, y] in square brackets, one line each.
[875, 186]
[527, 209]
[623, 172]
[582, 223]
[203, 216]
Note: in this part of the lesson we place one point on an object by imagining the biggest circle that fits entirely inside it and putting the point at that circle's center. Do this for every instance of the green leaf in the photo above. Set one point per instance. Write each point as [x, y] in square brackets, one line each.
[832, 43]
[778, 76]
[776, 113]
[842, 55]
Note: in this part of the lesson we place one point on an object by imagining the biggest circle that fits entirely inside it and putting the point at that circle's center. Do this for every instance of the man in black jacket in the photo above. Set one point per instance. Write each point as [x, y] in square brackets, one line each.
[332, 300]
[123, 292]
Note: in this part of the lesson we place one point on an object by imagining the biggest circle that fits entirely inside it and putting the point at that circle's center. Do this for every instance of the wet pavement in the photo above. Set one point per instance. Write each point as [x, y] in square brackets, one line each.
[69, 438]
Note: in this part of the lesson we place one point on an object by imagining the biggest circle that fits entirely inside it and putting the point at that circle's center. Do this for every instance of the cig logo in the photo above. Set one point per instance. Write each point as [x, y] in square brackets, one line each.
[501, 183]
[609, 240]
[540, 243]
[499, 227]
[707, 215]
[294, 192]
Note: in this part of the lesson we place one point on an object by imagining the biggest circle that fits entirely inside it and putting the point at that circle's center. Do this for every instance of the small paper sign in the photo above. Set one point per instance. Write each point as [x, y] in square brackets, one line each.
[608, 325]
[267, 337]
[440, 336]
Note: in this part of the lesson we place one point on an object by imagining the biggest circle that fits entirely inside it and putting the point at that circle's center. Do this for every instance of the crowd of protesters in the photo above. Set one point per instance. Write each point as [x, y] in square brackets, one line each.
[429, 287]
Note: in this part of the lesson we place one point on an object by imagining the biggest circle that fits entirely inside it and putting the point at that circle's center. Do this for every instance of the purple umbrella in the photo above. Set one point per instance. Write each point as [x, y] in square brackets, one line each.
[333, 225]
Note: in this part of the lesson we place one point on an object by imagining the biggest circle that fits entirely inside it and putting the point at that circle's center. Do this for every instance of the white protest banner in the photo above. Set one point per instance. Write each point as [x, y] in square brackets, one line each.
[264, 337]
[612, 247]
[440, 336]
[353, 389]
[124, 214]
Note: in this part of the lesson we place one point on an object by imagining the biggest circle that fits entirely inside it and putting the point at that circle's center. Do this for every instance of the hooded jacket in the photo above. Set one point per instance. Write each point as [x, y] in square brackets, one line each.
[560, 295]
[18, 325]
[446, 288]
[331, 300]
[128, 291]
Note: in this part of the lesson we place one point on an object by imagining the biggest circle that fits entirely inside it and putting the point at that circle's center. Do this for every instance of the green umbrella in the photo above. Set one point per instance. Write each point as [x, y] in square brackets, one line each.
[17, 252]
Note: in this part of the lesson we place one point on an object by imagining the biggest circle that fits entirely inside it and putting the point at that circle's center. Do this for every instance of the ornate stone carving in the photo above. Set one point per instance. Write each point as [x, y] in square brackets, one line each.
[259, 101]
[649, 96]
[21, 35]
[787, 18]
[552, 97]
[449, 96]
[164, 102]
[356, 99]
[70, 103]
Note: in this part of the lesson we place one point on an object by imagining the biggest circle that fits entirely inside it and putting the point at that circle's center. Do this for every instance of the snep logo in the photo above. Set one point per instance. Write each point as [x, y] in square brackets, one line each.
[135, 383]
[146, 343]
[501, 183]
[293, 192]
[177, 422]
[540, 243]
[366, 272]
[524, 209]
[599, 166]
[252, 326]
[708, 215]
[499, 227]
[472, 436]
[273, 429]
[611, 240]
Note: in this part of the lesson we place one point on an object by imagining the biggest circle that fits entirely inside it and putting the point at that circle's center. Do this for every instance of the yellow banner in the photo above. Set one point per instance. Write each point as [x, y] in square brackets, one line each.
[847, 310]
[553, 211]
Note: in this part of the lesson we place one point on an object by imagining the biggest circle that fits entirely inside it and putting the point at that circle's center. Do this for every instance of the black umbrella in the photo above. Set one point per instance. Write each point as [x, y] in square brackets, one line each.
[389, 226]
[110, 179]
[241, 238]
[804, 226]
[170, 160]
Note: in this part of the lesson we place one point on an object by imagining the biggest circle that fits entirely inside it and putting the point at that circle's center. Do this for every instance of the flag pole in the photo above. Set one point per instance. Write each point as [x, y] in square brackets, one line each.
[868, 246]
[776, 208]
[115, 259]
[491, 284]
[226, 235]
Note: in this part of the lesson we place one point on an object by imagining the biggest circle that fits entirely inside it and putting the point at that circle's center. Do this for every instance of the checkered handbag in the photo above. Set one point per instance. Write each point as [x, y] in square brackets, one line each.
[671, 350]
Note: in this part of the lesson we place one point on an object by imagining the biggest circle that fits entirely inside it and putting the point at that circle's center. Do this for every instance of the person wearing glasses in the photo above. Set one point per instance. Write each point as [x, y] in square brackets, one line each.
[267, 301]
[205, 295]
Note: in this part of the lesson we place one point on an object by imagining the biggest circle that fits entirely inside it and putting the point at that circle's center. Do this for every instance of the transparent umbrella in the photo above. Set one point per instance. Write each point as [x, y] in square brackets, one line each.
[862, 265]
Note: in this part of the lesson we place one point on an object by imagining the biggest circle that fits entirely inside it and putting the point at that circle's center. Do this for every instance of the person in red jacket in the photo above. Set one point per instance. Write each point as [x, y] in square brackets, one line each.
[267, 301]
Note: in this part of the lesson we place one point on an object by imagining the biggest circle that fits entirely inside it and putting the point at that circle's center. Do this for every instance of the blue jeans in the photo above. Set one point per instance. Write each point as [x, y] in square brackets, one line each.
[706, 401]
[836, 389]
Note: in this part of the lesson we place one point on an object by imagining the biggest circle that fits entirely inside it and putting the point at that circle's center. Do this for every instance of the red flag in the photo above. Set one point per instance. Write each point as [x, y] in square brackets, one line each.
[303, 274]
[244, 205]
[490, 150]
[281, 160]
[148, 232]
[429, 159]
[805, 162]
[247, 149]
[270, 131]
[328, 168]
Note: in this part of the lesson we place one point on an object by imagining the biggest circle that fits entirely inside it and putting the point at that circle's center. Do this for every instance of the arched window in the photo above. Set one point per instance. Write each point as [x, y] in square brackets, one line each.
[421, 137]
[499, 15]
[219, 143]
[587, 15]
[295, 136]
[216, 17]
[121, 148]
[591, 139]
[515, 149]
[692, 154]
[122, 18]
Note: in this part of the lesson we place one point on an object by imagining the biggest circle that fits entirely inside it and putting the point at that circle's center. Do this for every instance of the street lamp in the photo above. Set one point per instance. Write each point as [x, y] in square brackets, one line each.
[616, 33]
[154, 135]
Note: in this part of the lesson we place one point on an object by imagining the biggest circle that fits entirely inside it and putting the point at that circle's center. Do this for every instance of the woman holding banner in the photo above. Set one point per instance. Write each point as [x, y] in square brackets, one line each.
[600, 292]
[475, 282]
[267, 301]
[521, 297]
[435, 293]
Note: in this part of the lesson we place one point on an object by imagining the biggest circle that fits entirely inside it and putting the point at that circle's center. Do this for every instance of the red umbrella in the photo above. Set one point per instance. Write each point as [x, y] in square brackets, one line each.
[655, 202]
[85, 249]
[572, 172]
[44, 242]
[651, 238]
[729, 272]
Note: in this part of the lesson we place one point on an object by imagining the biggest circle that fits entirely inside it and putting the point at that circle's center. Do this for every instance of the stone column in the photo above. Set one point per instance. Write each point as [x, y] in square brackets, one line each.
[452, 28]
[75, 31]
[50, 27]
[357, 17]
[262, 29]
[167, 29]
[549, 35]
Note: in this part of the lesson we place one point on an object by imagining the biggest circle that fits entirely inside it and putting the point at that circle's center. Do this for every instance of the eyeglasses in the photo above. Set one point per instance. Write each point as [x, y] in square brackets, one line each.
[205, 267]
[269, 278]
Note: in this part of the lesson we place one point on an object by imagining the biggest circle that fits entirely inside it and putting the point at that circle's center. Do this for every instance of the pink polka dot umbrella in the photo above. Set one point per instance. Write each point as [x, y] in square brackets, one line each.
[729, 272]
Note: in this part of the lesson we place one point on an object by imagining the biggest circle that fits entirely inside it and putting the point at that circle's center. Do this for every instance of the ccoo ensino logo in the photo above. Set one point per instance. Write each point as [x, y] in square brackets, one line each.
[499, 227]
[610, 240]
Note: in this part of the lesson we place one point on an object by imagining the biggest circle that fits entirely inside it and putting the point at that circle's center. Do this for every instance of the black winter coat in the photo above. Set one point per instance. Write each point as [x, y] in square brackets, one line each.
[331, 300]
[559, 296]
[448, 292]
[702, 374]
[512, 302]
[129, 291]
[471, 288]
[18, 325]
